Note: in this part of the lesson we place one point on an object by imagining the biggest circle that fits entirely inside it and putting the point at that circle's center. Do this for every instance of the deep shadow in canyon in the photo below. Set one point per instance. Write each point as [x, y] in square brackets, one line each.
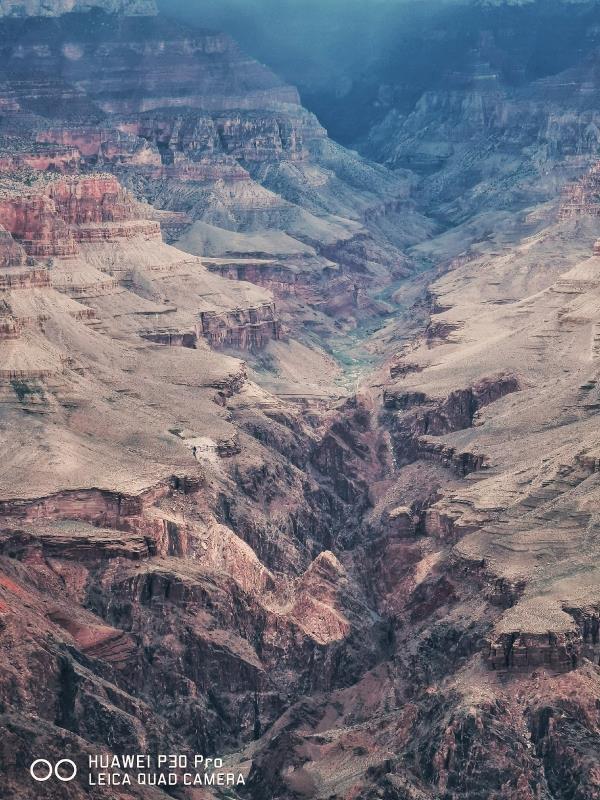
[355, 62]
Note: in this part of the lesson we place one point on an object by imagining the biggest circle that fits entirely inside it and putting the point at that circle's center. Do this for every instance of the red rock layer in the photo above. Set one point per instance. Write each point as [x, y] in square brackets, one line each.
[34, 222]
[49, 220]
[65, 159]
[95, 199]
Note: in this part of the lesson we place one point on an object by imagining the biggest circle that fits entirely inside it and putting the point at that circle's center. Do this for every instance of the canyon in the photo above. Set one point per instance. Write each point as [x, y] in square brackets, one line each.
[300, 457]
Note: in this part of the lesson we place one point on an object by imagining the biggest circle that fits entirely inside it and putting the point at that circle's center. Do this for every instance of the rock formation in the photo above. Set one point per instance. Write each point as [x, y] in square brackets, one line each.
[292, 475]
[214, 139]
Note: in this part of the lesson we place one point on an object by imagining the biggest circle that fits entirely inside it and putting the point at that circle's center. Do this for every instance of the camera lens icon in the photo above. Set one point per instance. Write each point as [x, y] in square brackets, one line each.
[42, 770]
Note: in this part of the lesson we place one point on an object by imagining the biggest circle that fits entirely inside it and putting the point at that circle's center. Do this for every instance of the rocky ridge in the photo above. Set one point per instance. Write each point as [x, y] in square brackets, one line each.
[392, 594]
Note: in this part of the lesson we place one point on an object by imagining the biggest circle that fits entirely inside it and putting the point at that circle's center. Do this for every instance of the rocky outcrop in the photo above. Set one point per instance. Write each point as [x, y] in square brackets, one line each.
[279, 278]
[18, 155]
[514, 651]
[49, 218]
[103, 145]
[11, 254]
[94, 505]
[419, 419]
[33, 221]
[245, 136]
[96, 199]
[582, 196]
[243, 329]
[25, 279]
[560, 651]
[171, 338]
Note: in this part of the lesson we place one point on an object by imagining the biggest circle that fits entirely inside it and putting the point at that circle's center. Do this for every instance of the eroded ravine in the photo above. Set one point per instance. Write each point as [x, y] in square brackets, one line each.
[269, 491]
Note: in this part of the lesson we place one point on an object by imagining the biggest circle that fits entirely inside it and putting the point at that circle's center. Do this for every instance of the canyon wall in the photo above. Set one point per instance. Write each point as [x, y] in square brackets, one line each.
[318, 493]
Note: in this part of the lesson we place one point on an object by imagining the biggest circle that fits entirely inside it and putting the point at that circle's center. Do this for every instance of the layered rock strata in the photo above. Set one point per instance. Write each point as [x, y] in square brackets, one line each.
[391, 594]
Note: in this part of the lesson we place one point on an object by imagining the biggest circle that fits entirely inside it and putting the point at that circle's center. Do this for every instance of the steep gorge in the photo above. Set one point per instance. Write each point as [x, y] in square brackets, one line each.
[207, 543]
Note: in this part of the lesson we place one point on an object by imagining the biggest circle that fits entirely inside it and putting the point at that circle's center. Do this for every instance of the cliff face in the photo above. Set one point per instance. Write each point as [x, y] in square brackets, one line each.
[391, 594]
[11, 254]
[49, 218]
